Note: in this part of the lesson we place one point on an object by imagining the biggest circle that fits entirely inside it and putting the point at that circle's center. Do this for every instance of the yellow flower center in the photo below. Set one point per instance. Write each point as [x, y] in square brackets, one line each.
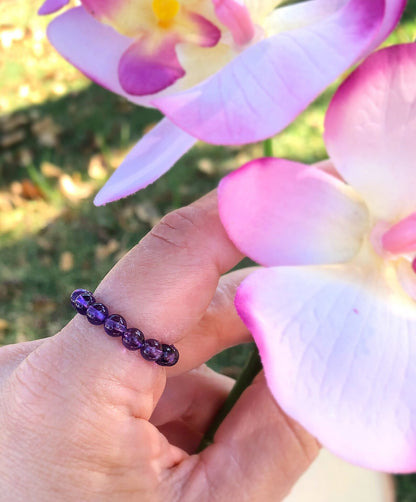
[165, 11]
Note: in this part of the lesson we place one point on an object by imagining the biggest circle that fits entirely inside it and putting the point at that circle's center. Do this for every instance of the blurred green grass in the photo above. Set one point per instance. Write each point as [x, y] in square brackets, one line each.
[60, 138]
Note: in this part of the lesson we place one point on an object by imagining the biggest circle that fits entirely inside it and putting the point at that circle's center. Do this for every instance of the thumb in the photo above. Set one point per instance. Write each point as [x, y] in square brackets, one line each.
[257, 440]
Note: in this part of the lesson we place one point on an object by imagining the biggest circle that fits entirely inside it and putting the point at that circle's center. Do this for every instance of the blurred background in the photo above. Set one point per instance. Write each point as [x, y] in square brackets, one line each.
[60, 138]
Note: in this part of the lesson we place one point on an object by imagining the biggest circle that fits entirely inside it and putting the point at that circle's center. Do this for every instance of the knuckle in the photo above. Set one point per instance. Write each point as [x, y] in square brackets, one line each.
[178, 228]
[32, 383]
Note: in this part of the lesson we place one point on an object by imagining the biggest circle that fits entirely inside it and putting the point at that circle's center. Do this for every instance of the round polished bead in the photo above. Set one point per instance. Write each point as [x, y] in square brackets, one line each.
[83, 301]
[115, 325]
[133, 339]
[75, 294]
[97, 313]
[151, 350]
[170, 355]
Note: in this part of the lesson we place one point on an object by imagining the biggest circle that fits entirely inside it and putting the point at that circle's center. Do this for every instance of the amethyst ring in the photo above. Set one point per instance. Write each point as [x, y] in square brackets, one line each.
[115, 325]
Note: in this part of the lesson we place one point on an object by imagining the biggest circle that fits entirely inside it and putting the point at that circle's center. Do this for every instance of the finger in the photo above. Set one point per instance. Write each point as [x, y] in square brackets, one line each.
[12, 355]
[189, 404]
[169, 279]
[256, 441]
[219, 328]
[163, 286]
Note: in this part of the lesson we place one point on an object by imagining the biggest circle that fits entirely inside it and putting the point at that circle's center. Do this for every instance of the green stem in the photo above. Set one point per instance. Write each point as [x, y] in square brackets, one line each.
[268, 147]
[252, 368]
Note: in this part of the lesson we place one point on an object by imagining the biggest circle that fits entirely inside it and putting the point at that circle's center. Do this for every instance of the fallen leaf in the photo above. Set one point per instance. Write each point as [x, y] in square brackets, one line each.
[30, 190]
[3, 324]
[25, 157]
[8, 140]
[103, 251]
[46, 131]
[10, 122]
[44, 243]
[206, 166]
[66, 261]
[43, 304]
[148, 212]
[16, 188]
[97, 167]
[50, 170]
[74, 190]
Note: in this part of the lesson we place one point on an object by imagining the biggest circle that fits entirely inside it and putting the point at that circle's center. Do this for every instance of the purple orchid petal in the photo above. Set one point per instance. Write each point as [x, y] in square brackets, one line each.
[146, 69]
[284, 213]
[266, 86]
[301, 14]
[370, 131]
[338, 345]
[92, 47]
[152, 156]
[51, 6]
[392, 14]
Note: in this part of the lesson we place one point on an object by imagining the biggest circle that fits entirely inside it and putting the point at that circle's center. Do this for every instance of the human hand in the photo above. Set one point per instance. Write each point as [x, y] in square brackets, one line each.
[84, 419]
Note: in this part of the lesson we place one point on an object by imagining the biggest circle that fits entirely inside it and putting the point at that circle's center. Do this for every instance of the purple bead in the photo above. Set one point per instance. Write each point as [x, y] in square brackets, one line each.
[115, 325]
[97, 313]
[133, 339]
[75, 294]
[169, 357]
[152, 350]
[83, 301]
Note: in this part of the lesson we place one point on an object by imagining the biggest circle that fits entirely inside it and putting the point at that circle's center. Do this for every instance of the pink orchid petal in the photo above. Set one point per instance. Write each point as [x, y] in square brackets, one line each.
[266, 86]
[51, 6]
[370, 131]
[284, 213]
[152, 156]
[127, 17]
[401, 238]
[203, 32]
[236, 17]
[328, 167]
[406, 276]
[107, 9]
[338, 345]
[101, 9]
[146, 69]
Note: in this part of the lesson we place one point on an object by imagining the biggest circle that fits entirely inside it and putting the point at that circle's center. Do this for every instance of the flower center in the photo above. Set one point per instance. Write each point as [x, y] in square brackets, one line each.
[396, 244]
[165, 11]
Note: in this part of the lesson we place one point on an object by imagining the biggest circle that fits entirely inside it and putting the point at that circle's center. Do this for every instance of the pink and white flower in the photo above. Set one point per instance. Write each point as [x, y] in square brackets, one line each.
[334, 314]
[223, 71]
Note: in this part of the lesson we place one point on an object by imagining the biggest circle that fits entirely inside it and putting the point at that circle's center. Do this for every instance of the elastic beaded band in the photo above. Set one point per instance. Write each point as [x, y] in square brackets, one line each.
[115, 325]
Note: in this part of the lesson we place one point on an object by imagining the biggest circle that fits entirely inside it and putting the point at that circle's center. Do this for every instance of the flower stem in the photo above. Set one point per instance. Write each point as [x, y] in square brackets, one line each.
[252, 368]
[268, 147]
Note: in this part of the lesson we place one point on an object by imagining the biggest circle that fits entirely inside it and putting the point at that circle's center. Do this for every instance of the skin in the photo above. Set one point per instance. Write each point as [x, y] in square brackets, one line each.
[82, 418]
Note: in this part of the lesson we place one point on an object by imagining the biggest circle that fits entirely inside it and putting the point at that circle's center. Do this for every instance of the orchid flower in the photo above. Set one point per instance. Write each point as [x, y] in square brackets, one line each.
[334, 312]
[215, 68]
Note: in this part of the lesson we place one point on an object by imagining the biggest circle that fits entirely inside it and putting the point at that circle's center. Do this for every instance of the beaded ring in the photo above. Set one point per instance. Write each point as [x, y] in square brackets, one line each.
[115, 325]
